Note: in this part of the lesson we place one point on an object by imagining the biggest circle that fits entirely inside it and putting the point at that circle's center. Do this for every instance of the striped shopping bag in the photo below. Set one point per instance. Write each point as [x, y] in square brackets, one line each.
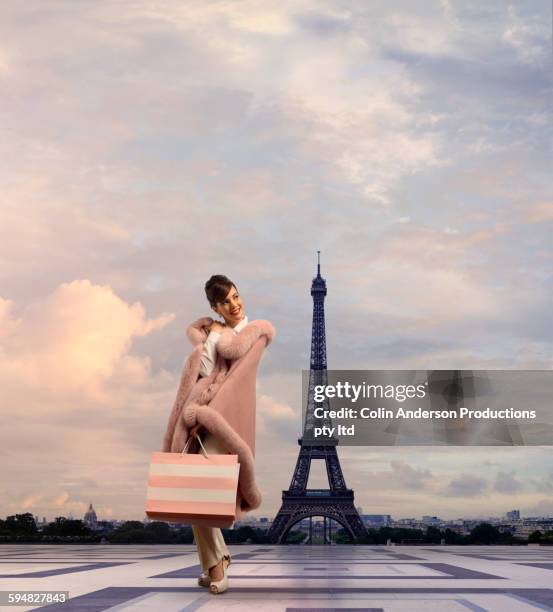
[194, 489]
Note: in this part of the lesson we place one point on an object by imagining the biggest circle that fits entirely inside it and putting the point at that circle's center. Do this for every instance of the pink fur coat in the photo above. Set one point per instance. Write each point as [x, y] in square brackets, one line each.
[230, 414]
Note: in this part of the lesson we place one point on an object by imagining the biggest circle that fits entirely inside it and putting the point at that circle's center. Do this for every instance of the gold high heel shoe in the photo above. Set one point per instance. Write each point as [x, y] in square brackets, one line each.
[220, 586]
[205, 580]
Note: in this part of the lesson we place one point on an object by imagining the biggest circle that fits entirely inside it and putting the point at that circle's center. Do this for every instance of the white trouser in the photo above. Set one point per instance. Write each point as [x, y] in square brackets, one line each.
[209, 540]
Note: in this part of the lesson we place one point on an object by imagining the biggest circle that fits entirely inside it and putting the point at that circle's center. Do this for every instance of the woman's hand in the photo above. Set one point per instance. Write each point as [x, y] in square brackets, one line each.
[216, 326]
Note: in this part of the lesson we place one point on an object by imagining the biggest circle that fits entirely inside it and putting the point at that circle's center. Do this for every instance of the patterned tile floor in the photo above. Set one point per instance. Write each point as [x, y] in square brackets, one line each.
[141, 578]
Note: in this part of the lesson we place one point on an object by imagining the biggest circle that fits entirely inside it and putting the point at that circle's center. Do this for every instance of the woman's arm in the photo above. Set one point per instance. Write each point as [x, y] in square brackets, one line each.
[209, 354]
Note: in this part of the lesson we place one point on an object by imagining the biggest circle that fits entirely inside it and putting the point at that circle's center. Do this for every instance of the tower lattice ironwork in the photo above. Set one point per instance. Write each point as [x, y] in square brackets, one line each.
[299, 502]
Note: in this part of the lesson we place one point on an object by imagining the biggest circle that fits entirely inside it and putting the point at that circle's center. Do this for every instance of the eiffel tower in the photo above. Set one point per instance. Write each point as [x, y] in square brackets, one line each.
[299, 502]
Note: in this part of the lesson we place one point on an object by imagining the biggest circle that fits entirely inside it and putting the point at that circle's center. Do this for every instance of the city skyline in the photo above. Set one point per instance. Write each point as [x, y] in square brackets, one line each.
[508, 515]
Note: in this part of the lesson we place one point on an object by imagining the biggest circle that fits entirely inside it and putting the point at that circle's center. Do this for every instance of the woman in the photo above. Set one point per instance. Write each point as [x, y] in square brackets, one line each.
[225, 422]
[224, 299]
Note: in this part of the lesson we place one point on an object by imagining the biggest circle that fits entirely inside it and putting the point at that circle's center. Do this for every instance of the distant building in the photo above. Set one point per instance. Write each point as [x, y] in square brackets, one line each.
[513, 515]
[254, 521]
[90, 518]
[525, 526]
[376, 520]
[40, 524]
[406, 522]
[456, 527]
[431, 521]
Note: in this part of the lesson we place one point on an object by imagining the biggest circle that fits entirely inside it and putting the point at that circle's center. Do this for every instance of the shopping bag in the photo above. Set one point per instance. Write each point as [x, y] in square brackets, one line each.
[193, 489]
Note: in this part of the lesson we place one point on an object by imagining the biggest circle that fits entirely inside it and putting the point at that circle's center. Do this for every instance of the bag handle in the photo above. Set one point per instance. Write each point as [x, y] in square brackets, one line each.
[188, 442]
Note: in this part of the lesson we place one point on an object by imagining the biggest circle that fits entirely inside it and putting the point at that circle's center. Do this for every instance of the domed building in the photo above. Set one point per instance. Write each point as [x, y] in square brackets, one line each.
[90, 518]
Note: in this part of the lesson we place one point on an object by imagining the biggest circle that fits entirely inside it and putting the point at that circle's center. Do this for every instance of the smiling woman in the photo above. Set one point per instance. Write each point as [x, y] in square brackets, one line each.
[224, 359]
[224, 299]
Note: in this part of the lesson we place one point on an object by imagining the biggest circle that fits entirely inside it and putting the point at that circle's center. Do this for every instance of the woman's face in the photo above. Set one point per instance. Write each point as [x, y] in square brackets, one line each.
[231, 308]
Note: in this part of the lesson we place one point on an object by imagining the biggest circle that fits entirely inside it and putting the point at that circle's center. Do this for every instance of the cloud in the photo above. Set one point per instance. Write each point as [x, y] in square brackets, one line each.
[77, 399]
[60, 504]
[74, 340]
[31, 500]
[542, 211]
[276, 418]
[8, 323]
[427, 265]
[506, 482]
[423, 34]
[409, 477]
[544, 483]
[466, 485]
[542, 507]
[527, 36]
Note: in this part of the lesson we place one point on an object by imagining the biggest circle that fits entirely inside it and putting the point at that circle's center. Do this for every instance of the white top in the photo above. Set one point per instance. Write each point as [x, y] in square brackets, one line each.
[209, 354]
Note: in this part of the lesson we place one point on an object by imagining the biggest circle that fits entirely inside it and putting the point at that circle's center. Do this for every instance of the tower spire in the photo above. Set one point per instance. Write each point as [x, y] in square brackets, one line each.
[318, 263]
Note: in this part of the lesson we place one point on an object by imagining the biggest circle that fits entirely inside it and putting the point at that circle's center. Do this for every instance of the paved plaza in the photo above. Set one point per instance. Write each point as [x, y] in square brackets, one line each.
[286, 578]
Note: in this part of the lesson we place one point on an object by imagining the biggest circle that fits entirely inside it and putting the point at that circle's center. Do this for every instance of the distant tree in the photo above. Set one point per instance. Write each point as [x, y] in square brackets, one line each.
[485, 533]
[158, 529]
[19, 527]
[535, 537]
[245, 534]
[342, 536]
[370, 538]
[452, 537]
[131, 532]
[22, 523]
[547, 537]
[295, 537]
[62, 526]
[395, 534]
[506, 537]
[131, 525]
[433, 535]
[184, 535]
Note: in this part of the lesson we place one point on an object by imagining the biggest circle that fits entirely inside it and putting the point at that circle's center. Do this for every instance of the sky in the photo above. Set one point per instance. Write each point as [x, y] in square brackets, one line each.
[148, 148]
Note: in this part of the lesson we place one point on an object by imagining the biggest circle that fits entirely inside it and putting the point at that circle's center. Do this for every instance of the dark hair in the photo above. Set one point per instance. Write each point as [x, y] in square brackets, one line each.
[217, 288]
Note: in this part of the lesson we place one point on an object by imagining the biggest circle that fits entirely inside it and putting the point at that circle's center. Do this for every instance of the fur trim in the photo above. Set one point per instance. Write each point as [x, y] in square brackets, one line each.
[189, 374]
[218, 426]
[197, 332]
[234, 346]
